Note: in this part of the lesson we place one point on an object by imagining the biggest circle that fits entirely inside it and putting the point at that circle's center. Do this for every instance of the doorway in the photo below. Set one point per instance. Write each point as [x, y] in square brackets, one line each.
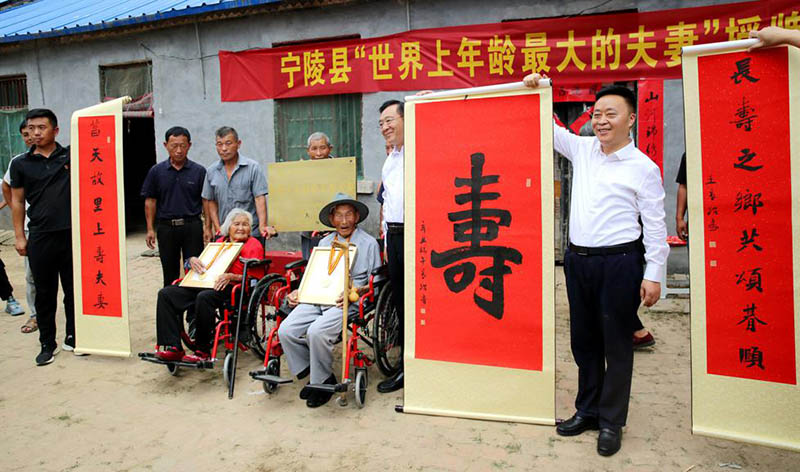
[139, 149]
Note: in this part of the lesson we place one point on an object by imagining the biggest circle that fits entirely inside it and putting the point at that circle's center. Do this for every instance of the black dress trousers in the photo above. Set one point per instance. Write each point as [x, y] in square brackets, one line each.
[603, 293]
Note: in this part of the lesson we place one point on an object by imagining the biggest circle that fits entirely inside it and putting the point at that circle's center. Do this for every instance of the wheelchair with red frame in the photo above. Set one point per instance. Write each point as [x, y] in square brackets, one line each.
[233, 330]
[265, 307]
[376, 324]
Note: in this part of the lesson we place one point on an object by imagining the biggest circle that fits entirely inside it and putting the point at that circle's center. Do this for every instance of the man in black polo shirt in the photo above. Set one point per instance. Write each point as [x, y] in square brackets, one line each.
[173, 204]
[41, 177]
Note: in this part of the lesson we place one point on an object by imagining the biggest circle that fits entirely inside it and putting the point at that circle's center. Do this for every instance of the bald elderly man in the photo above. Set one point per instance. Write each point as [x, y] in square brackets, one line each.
[318, 146]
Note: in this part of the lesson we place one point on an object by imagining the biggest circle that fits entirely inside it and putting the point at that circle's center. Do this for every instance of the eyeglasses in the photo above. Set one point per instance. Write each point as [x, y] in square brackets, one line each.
[387, 122]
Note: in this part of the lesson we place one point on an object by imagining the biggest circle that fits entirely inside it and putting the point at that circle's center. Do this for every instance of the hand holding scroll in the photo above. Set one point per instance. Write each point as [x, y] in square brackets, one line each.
[532, 80]
[773, 35]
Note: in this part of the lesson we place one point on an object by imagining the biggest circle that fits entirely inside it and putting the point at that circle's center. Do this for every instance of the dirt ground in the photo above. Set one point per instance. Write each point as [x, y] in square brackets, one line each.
[108, 414]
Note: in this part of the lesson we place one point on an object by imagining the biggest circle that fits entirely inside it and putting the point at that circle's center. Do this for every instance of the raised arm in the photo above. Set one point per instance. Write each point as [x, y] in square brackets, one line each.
[564, 142]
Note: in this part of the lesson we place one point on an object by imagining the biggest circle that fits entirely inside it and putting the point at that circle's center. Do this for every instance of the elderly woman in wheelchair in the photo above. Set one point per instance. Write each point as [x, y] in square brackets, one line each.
[174, 300]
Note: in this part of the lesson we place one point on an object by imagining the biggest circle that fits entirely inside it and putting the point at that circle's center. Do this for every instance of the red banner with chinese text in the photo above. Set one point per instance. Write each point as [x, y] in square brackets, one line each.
[99, 231]
[599, 48]
[479, 252]
[745, 129]
[651, 120]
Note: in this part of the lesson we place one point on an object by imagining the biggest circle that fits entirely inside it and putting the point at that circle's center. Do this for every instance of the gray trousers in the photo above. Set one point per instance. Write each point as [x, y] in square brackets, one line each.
[307, 336]
[30, 289]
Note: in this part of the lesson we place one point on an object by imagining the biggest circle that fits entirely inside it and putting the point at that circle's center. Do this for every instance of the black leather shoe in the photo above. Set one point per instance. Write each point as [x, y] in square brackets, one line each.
[304, 373]
[305, 392]
[576, 425]
[316, 398]
[609, 441]
[391, 384]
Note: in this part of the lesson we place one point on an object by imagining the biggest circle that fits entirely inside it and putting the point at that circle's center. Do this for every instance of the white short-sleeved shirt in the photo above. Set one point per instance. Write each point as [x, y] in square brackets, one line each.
[7, 179]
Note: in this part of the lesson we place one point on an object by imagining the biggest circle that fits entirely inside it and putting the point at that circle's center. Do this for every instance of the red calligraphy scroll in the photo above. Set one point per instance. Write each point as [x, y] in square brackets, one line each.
[478, 212]
[100, 267]
[650, 128]
[601, 48]
[744, 125]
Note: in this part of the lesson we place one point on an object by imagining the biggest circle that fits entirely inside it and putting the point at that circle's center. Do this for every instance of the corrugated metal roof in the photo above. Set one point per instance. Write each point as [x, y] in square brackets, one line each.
[49, 18]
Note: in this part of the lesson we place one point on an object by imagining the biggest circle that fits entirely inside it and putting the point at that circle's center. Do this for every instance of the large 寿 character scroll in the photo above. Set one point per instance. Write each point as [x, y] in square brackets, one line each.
[743, 154]
[469, 228]
[479, 300]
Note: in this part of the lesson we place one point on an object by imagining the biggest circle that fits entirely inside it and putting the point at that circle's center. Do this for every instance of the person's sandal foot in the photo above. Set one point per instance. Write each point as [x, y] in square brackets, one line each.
[30, 326]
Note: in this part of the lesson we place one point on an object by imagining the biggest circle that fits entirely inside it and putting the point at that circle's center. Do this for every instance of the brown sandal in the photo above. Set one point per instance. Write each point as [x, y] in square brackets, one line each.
[30, 326]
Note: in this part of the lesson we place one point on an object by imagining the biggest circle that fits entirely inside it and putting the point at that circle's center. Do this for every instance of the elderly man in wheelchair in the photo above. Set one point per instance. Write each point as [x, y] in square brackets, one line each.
[174, 300]
[310, 331]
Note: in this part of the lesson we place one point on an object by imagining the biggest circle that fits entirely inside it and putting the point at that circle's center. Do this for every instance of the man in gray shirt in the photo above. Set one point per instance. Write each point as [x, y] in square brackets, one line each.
[235, 181]
[309, 332]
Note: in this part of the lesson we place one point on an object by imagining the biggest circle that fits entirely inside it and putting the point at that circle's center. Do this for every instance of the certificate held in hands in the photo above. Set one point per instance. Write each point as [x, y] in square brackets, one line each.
[216, 258]
[323, 280]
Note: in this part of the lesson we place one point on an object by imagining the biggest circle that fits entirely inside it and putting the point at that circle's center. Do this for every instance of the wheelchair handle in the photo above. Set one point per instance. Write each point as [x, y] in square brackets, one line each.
[254, 262]
[296, 264]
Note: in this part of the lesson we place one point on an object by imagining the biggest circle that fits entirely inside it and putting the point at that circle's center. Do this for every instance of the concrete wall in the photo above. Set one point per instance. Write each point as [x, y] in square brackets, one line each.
[187, 89]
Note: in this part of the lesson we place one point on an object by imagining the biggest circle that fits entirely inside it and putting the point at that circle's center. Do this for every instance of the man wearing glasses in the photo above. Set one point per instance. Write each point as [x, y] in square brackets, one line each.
[391, 123]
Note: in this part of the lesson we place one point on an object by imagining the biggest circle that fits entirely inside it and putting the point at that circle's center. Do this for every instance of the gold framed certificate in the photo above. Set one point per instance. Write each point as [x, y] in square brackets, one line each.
[217, 257]
[323, 280]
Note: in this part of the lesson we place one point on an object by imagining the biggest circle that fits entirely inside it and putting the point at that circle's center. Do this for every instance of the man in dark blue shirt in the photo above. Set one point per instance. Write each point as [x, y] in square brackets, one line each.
[173, 204]
[42, 178]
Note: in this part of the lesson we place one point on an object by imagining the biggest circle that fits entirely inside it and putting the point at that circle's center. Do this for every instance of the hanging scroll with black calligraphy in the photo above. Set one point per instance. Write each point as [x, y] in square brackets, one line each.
[743, 158]
[650, 128]
[479, 218]
[98, 230]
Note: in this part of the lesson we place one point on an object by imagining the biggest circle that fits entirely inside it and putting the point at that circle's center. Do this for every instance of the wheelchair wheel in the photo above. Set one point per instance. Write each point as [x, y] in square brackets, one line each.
[173, 369]
[362, 381]
[262, 313]
[386, 334]
[227, 368]
[273, 368]
[187, 336]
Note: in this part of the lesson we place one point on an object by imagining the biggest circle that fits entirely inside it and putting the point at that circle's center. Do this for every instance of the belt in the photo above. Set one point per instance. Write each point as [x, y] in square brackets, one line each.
[605, 250]
[394, 228]
[177, 221]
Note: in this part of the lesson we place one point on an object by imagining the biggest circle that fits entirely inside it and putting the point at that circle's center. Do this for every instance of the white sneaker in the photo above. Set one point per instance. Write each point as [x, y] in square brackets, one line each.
[69, 345]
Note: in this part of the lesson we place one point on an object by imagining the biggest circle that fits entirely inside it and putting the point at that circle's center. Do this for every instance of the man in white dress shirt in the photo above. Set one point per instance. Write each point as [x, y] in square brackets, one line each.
[391, 123]
[613, 186]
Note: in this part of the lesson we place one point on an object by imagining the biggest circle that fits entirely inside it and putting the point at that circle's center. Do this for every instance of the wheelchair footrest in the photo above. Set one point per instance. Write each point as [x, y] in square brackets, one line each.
[272, 379]
[151, 357]
[329, 388]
